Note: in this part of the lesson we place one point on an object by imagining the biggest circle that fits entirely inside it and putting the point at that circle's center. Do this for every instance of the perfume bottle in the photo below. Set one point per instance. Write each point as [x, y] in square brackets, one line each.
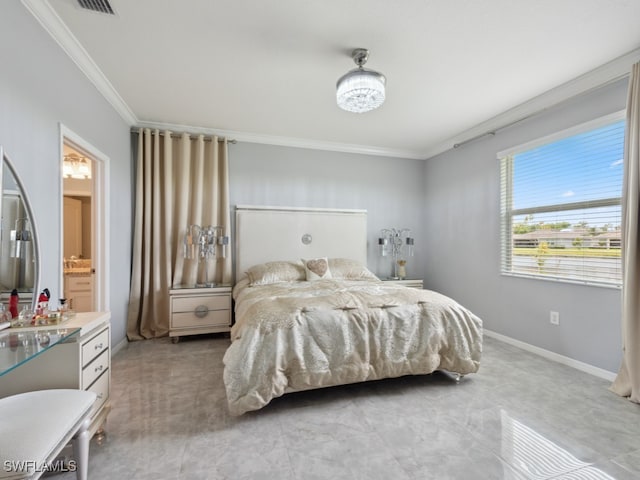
[14, 300]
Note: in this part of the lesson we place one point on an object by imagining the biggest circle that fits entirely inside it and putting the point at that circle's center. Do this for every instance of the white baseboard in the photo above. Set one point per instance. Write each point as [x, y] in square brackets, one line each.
[583, 367]
[119, 346]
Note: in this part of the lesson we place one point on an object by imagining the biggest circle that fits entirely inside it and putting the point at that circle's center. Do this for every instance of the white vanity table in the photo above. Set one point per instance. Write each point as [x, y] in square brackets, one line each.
[74, 354]
[80, 359]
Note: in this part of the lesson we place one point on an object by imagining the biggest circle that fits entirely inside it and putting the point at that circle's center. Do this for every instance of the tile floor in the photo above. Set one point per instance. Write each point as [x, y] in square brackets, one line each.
[520, 417]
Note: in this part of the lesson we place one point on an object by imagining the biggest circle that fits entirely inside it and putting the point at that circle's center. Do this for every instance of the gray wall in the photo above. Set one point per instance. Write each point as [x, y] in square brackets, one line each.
[40, 88]
[461, 207]
[390, 189]
[441, 200]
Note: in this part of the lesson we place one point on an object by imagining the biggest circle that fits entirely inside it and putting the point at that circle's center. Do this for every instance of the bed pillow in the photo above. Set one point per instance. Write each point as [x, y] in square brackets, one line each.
[274, 272]
[347, 269]
[317, 268]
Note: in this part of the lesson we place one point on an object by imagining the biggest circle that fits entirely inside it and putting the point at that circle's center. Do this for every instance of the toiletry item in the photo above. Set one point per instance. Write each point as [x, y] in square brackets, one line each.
[13, 303]
[24, 318]
[53, 318]
[5, 318]
[42, 309]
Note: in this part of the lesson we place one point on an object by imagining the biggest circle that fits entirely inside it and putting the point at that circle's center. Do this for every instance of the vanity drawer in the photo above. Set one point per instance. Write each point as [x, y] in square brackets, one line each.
[211, 318]
[202, 303]
[95, 347]
[95, 369]
[101, 389]
[80, 283]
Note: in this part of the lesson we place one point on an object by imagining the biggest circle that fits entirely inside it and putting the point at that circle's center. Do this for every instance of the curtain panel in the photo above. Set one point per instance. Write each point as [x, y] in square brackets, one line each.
[180, 181]
[627, 382]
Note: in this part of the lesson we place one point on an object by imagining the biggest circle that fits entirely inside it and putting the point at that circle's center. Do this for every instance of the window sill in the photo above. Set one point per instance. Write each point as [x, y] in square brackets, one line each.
[562, 280]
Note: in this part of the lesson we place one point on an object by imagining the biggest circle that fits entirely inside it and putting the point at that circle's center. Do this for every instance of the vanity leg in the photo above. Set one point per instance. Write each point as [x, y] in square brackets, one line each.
[100, 435]
[175, 339]
[81, 450]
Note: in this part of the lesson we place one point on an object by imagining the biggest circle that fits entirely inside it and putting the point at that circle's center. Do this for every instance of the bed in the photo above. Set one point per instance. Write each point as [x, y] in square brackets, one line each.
[309, 313]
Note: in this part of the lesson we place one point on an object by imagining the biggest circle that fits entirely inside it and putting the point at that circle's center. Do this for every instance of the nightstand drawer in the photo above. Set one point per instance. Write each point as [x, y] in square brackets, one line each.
[193, 304]
[207, 318]
[198, 310]
[95, 369]
[95, 347]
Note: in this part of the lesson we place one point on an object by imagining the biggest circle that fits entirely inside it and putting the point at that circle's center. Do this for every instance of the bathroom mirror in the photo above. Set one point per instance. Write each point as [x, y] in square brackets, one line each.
[19, 252]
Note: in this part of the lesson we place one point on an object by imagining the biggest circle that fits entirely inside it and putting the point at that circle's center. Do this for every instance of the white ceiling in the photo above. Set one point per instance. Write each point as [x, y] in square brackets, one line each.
[265, 70]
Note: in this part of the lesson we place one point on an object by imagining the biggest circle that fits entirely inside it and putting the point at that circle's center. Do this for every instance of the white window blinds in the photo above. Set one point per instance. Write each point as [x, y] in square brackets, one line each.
[560, 205]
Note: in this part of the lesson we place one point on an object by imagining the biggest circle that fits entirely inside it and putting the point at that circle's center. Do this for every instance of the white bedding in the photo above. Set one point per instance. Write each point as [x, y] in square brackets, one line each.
[301, 335]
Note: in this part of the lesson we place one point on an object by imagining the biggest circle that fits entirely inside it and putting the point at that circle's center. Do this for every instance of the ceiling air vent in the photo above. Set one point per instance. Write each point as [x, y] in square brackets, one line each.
[100, 6]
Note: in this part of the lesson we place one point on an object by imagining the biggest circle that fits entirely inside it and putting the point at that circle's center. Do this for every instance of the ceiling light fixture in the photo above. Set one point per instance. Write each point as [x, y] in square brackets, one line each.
[360, 90]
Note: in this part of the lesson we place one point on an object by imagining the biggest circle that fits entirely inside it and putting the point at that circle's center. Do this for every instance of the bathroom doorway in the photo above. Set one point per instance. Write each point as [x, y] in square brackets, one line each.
[77, 249]
[83, 210]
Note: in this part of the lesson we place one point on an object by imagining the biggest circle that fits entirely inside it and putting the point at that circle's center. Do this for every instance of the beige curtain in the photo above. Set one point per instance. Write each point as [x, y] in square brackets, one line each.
[627, 383]
[180, 181]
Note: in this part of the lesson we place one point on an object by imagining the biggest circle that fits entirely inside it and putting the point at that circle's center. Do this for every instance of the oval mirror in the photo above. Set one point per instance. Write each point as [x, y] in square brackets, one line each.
[19, 252]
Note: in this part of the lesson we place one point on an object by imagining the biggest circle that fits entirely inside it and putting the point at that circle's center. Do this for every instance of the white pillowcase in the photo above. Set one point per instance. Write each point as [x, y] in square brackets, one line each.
[274, 272]
[347, 269]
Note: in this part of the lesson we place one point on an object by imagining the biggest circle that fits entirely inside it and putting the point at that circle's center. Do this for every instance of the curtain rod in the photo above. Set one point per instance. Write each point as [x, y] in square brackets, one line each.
[207, 138]
[493, 132]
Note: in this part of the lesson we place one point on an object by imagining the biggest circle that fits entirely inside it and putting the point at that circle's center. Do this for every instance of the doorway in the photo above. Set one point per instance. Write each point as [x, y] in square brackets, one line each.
[77, 254]
[83, 210]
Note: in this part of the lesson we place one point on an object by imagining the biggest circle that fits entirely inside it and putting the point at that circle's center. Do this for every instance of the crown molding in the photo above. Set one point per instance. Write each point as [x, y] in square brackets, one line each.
[284, 141]
[53, 24]
[598, 77]
[610, 72]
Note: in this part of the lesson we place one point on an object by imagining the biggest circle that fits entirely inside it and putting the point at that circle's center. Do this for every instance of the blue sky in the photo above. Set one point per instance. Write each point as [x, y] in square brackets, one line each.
[583, 167]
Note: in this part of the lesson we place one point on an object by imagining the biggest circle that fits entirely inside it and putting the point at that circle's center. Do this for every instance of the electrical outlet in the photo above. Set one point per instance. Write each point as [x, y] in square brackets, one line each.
[554, 318]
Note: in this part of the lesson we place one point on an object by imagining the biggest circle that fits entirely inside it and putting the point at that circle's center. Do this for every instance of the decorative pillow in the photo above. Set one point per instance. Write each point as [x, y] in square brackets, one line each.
[347, 269]
[317, 268]
[274, 272]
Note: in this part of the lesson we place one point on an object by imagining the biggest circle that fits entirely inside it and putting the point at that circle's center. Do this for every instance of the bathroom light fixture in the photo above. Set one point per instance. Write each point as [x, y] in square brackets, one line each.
[360, 90]
[75, 166]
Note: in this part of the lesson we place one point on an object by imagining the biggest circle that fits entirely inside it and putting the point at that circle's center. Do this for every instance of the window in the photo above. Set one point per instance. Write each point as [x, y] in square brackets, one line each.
[560, 205]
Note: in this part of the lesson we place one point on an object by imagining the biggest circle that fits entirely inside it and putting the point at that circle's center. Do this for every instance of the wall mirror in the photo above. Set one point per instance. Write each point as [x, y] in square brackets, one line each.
[19, 251]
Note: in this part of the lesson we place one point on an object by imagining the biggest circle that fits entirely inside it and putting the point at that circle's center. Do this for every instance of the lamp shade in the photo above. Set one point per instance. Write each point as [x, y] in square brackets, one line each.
[360, 90]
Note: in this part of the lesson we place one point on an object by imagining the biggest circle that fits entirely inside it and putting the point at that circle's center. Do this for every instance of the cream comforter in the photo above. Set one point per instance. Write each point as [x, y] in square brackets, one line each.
[302, 335]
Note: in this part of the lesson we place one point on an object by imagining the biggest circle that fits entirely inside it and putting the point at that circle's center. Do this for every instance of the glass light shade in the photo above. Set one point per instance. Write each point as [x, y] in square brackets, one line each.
[67, 169]
[76, 167]
[84, 169]
[360, 90]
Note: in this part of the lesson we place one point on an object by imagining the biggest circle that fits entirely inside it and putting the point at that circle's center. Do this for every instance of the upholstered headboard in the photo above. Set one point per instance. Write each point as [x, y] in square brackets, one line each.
[266, 234]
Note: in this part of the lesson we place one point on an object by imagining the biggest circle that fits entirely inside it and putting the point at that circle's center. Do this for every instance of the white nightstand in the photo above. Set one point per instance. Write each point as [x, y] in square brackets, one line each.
[413, 283]
[199, 310]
